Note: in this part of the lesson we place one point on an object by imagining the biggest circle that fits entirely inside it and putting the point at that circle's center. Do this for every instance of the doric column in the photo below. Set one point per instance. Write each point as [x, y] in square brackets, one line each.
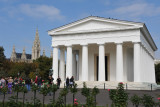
[85, 62]
[119, 62]
[74, 64]
[77, 75]
[62, 64]
[55, 63]
[137, 62]
[101, 71]
[69, 62]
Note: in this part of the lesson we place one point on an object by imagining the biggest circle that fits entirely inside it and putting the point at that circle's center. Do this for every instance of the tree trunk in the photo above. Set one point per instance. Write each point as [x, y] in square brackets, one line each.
[65, 100]
[3, 99]
[73, 100]
[34, 97]
[53, 97]
[17, 97]
[43, 99]
[23, 98]
[95, 100]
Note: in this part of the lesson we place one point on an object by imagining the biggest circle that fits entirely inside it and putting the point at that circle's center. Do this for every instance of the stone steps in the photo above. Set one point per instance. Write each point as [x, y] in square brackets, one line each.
[114, 84]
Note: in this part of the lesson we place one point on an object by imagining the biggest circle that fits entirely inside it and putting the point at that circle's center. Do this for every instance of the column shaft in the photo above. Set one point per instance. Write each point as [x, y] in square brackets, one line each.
[85, 63]
[55, 63]
[74, 66]
[101, 76]
[62, 64]
[119, 62]
[69, 62]
[137, 62]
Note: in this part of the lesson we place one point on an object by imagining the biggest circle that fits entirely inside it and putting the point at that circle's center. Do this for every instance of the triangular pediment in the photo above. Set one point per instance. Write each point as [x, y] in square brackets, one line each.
[95, 23]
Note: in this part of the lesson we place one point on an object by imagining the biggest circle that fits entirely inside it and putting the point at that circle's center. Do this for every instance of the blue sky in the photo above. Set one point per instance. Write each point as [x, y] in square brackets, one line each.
[20, 18]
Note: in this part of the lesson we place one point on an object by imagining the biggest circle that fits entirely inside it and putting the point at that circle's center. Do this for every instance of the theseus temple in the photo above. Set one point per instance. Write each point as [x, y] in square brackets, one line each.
[104, 51]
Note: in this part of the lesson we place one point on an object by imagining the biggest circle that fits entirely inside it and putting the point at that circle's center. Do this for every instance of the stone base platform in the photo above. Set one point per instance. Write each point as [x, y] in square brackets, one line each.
[114, 84]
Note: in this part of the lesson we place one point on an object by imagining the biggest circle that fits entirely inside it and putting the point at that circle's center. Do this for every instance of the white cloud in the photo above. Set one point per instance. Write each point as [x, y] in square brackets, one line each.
[41, 11]
[35, 11]
[136, 10]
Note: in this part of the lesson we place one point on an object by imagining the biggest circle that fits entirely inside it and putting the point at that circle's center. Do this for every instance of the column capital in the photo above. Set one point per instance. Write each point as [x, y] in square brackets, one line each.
[62, 48]
[84, 44]
[119, 42]
[68, 45]
[55, 46]
[101, 43]
[136, 42]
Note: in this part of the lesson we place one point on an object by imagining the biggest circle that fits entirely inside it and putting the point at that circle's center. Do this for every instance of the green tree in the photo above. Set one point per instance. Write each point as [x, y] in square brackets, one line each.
[136, 100]
[88, 94]
[148, 101]
[4, 91]
[17, 89]
[44, 90]
[2, 57]
[24, 91]
[34, 89]
[64, 93]
[44, 65]
[95, 91]
[119, 96]
[53, 88]
[74, 91]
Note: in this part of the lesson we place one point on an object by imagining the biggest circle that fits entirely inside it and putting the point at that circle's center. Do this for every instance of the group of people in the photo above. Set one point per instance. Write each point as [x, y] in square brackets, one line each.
[69, 82]
[10, 82]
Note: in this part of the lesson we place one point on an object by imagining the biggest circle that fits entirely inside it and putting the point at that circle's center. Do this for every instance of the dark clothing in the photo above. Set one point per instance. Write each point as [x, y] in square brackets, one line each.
[28, 81]
[58, 82]
[71, 81]
[67, 82]
[6, 82]
[50, 81]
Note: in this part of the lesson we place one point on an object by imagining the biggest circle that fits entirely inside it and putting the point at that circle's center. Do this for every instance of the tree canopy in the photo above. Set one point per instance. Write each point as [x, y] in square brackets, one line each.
[2, 57]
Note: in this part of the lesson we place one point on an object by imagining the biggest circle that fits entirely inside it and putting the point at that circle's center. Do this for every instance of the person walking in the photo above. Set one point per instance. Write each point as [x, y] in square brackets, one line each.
[36, 80]
[71, 81]
[67, 82]
[28, 84]
[58, 82]
[3, 82]
[10, 81]
[50, 80]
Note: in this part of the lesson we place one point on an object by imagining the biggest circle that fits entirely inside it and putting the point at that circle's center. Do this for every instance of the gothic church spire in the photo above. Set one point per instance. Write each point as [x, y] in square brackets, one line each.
[23, 54]
[36, 47]
[13, 55]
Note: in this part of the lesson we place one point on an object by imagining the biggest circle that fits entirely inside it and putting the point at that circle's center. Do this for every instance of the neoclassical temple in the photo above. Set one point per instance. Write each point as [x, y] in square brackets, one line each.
[104, 49]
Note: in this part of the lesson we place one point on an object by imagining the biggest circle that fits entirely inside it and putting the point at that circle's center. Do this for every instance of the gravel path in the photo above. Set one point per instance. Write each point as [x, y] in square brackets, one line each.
[102, 97]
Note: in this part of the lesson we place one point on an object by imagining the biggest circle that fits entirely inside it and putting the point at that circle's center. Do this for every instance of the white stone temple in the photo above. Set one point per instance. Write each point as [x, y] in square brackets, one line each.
[100, 50]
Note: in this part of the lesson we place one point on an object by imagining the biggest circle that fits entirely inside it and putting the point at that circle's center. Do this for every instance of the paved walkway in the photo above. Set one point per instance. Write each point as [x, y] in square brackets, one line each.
[102, 97]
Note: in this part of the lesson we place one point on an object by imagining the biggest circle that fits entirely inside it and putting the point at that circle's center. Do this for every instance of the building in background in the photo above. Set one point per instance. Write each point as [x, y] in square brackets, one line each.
[23, 57]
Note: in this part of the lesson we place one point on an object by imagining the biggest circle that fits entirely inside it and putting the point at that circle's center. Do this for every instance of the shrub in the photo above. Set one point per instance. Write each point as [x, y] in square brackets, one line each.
[119, 96]
[136, 100]
[147, 101]
[74, 91]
